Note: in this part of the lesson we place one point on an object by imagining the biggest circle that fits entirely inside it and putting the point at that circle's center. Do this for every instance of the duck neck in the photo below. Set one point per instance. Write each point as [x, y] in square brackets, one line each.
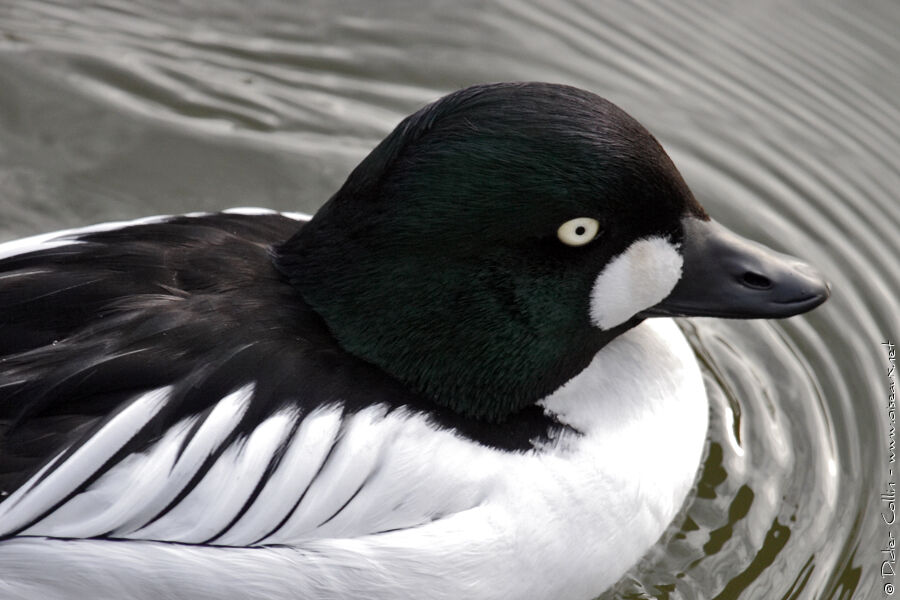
[460, 336]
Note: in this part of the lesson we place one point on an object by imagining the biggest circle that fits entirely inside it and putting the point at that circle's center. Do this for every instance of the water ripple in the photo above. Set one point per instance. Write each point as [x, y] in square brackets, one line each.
[782, 116]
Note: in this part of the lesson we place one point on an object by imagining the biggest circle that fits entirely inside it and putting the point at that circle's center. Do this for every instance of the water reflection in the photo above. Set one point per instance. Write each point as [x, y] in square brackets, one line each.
[781, 116]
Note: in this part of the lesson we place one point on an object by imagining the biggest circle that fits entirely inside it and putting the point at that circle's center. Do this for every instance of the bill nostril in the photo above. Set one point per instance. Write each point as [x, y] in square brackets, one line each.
[756, 281]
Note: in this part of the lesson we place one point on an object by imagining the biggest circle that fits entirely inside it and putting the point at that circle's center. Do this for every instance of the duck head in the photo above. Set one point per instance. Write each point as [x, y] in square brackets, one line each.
[498, 238]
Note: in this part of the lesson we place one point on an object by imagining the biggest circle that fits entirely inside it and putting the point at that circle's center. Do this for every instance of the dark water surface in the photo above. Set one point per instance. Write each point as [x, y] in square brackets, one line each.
[783, 117]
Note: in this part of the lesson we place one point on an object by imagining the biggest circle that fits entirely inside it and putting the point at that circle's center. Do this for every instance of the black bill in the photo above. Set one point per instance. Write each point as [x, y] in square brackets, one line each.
[726, 275]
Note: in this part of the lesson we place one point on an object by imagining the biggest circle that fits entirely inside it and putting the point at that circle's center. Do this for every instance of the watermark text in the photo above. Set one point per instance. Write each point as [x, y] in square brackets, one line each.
[889, 493]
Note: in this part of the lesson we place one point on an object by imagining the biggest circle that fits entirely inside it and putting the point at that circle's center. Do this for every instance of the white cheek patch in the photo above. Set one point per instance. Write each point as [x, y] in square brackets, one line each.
[638, 278]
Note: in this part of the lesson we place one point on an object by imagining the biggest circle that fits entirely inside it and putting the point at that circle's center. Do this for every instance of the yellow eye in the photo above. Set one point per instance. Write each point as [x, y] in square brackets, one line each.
[578, 232]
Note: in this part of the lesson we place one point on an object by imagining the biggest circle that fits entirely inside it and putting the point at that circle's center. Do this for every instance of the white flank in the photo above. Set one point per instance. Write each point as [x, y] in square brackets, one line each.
[354, 457]
[116, 495]
[34, 498]
[46, 241]
[212, 432]
[253, 210]
[637, 279]
[141, 485]
[65, 237]
[215, 501]
[301, 461]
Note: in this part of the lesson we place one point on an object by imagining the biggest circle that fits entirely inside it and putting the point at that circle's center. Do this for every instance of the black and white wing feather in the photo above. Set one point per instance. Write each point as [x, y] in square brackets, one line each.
[293, 478]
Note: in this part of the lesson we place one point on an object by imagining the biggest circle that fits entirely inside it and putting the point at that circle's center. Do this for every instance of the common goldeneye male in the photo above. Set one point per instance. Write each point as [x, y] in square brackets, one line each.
[441, 386]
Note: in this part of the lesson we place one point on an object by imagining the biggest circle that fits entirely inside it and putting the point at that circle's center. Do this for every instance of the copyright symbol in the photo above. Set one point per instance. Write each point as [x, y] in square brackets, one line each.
[889, 589]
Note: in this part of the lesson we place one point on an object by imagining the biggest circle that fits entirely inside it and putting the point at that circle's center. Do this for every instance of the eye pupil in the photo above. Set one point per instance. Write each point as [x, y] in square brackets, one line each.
[580, 230]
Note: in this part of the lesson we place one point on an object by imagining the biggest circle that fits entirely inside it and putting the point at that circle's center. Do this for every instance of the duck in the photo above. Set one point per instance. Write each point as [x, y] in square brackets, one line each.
[461, 378]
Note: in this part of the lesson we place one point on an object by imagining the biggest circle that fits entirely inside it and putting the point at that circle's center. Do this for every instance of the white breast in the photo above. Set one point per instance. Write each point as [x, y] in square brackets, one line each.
[431, 513]
[643, 409]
